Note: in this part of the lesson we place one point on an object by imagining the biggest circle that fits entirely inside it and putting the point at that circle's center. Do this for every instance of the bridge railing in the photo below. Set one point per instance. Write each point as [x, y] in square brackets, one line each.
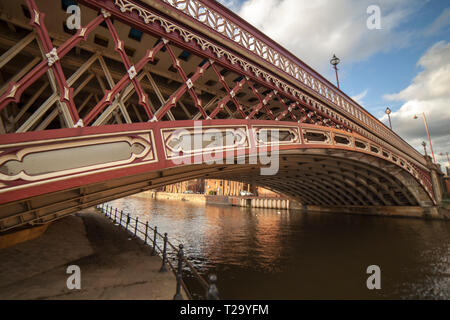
[171, 255]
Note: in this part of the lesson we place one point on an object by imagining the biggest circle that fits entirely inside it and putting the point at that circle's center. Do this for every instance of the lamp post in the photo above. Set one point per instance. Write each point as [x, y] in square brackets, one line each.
[448, 159]
[428, 133]
[388, 112]
[335, 61]
[424, 144]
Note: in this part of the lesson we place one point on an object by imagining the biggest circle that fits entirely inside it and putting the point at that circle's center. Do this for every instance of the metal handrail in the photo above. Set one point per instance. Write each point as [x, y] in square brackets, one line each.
[133, 223]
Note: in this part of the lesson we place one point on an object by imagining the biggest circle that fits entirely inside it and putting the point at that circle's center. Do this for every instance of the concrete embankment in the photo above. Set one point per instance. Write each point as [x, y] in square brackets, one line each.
[112, 264]
[439, 213]
[253, 202]
[436, 212]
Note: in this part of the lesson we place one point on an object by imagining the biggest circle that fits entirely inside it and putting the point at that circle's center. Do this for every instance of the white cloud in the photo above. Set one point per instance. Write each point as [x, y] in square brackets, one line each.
[440, 24]
[315, 30]
[429, 92]
[359, 97]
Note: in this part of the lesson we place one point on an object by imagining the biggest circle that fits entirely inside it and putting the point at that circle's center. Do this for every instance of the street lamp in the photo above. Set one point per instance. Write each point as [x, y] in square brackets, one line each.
[335, 61]
[388, 112]
[428, 133]
[448, 159]
[424, 144]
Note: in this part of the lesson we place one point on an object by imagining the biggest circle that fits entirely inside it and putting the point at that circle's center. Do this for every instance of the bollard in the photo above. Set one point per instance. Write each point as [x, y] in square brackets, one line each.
[213, 292]
[115, 216]
[177, 295]
[121, 214]
[106, 211]
[155, 233]
[128, 221]
[146, 232]
[164, 255]
[136, 226]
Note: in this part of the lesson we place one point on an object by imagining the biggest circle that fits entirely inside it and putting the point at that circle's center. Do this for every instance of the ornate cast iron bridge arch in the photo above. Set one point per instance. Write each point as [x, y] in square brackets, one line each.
[90, 115]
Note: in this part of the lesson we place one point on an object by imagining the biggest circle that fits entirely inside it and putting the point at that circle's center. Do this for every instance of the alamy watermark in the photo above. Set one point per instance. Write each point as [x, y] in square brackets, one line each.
[74, 280]
[73, 22]
[226, 146]
[374, 280]
[373, 22]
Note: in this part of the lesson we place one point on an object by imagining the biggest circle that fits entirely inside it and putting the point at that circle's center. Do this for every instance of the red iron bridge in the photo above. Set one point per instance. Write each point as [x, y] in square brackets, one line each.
[103, 111]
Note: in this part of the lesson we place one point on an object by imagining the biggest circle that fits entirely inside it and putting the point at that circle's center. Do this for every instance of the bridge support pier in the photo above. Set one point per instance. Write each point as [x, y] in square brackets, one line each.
[431, 212]
[437, 180]
[428, 211]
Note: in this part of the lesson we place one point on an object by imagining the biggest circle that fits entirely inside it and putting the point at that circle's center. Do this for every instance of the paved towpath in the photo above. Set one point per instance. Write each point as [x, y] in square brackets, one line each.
[113, 266]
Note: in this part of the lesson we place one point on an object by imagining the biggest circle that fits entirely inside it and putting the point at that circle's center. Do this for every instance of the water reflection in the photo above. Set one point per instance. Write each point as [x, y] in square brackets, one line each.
[270, 254]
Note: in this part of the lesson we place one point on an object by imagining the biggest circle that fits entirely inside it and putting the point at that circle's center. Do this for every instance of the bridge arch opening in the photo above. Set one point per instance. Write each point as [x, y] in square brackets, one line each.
[316, 178]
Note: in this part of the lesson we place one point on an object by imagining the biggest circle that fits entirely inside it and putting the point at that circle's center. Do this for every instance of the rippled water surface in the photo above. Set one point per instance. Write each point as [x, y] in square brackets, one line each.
[270, 254]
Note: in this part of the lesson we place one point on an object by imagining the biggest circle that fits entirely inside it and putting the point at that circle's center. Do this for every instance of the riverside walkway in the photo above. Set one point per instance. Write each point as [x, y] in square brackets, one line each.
[113, 265]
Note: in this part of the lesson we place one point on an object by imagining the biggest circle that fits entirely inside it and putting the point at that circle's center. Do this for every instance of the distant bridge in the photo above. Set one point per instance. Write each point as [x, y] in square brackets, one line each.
[95, 114]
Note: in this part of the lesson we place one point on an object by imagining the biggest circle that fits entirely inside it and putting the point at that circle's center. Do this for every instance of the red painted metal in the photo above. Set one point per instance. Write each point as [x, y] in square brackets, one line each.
[287, 110]
[108, 98]
[230, 95]
[66, 94]
[267, 98]
[190, 86]
[181, 91]
[119, 47]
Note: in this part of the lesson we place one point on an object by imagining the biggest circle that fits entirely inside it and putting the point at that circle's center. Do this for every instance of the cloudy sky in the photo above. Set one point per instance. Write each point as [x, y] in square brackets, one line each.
[404, 65]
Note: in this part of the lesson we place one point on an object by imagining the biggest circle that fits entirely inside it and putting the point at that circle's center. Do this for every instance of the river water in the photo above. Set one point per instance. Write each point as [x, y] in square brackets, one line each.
[271, 254]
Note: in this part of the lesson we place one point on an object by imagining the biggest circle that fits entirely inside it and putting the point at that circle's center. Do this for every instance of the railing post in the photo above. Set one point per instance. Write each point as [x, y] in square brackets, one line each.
[146, 232]
[177, 295]
[128, 221]
[213, 292]
[164, 255]
[136, 226]
[155, 234]
[115, 215]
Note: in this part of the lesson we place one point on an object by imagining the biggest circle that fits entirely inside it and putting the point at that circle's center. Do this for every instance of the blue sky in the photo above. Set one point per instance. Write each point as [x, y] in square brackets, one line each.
[392, 71]
[405, 65]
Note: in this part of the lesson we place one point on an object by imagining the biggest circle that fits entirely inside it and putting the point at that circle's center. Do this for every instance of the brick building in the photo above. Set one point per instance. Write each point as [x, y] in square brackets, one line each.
[218, 187]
